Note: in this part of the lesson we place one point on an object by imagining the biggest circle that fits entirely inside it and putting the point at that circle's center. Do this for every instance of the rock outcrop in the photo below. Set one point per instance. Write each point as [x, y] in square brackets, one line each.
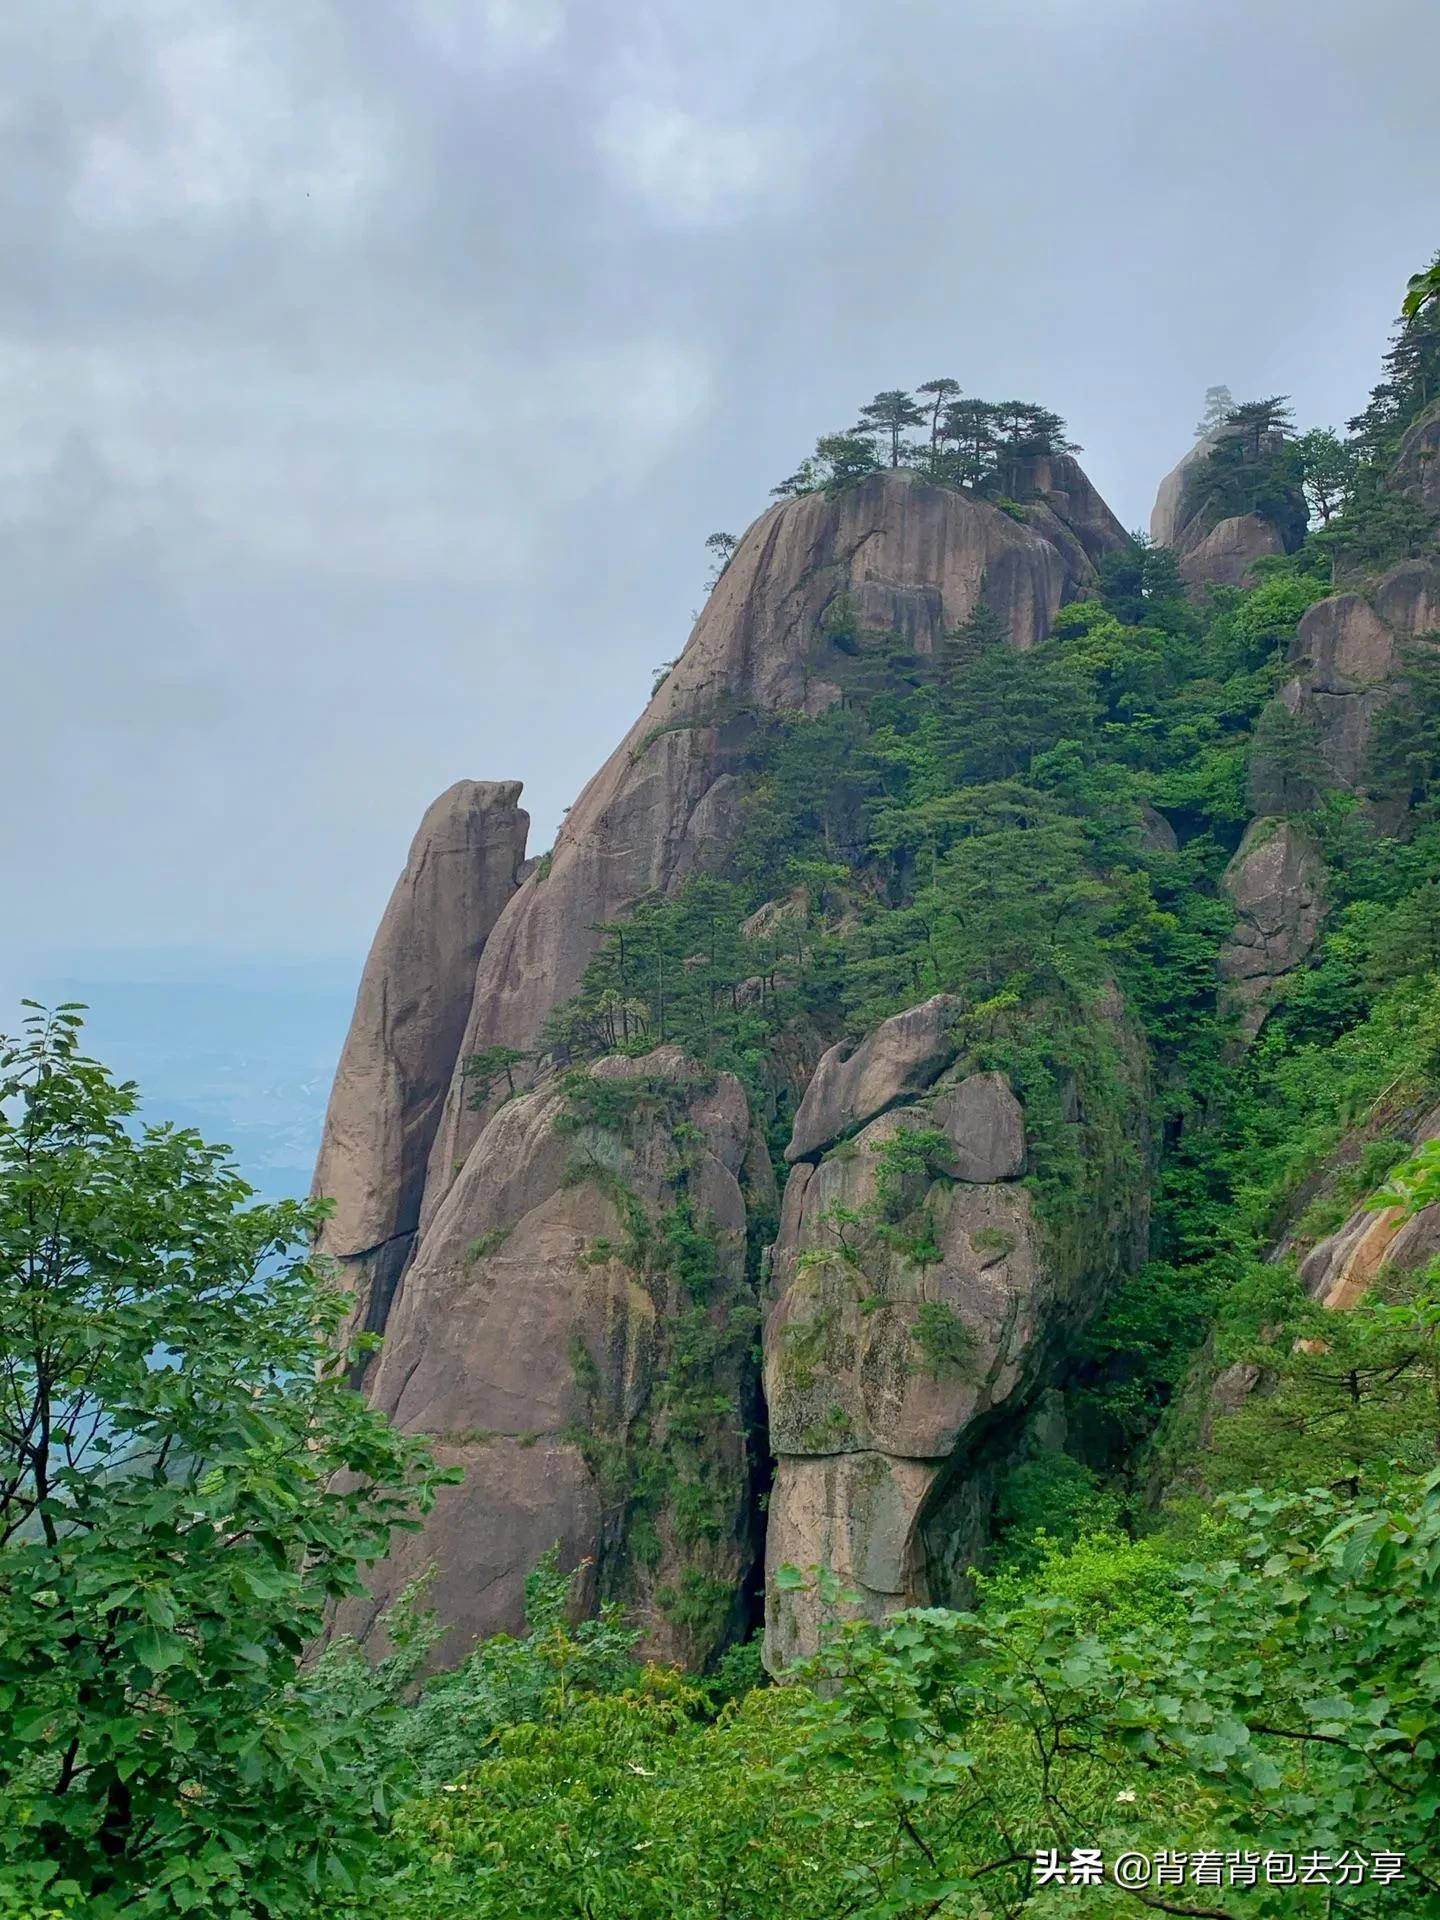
[1340, 1269]
[985, 1126]
[899, 554]
[1169, 515]
[1347, 656]
[1221, 552]
[541, 1345]
[1417, 464]
[1276, 884]
[917, 1294]
[400, 1053]
[1226, 555]
[576, 1317]
[853, 1084]
[1063, 506]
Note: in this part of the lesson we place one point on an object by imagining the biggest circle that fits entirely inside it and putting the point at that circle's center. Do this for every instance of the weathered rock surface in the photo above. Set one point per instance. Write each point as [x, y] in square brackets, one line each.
[1276, 884]
[902, 553]
[535, 1341]
[1347, 658]
[1210, 553]
[399, 1056]
[1156, 833]
[539, 1337]
[852, 1084]
[1070, 504]
[1226, 555]
[1417, 465]
[986, 1128]
[1172, 498]
[1340, 1269]
[913, 1307]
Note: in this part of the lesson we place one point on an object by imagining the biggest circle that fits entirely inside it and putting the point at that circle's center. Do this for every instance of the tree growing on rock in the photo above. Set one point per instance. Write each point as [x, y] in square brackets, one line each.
[940, 394]
[721, 549]
[971, 439]
[1255, 422]
[1255, 467]
[1327, 467]
[1219, 405]
[889, 415]
[492, 1064]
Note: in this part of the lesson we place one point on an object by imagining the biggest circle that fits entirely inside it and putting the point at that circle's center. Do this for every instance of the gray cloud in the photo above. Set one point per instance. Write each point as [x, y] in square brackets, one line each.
[373, 374]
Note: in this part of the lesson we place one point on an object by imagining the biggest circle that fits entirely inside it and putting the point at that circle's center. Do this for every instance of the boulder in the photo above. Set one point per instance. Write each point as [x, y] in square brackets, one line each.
[1226, 555]
[1156, 833]
[895, 548]
[1276, 884]
[876, 1365]
[853, 1514]
[853, 1083]
[400, 1054]
[1408, 597]
[538, 1342]
[986, 1127]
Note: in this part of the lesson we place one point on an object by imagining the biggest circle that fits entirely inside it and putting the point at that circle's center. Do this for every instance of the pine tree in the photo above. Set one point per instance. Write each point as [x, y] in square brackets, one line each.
[891, 412]
[1219, 404]
[721, 548]
[969, 426]
[1328, 470]
[1254, 422]
[941, 393]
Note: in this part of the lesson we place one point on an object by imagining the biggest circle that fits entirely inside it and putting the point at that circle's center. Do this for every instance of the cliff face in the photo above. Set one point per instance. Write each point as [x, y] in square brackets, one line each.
[907, 557]
[1348, 663]
[917, 1296]
[400, 1053]
[546, 1343]
[521, 1255]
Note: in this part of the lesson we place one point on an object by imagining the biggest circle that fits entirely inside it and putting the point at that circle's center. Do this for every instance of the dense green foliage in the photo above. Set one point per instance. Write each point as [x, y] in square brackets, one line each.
[173, 1421]
[981, 445]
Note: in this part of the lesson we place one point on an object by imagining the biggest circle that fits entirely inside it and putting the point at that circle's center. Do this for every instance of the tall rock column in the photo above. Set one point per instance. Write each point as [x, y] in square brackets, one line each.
[917, 1293]
[402, 1048]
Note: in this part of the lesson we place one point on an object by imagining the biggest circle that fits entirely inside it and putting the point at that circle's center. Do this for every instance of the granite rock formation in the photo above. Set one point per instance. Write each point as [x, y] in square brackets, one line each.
[899, 554]
[1276, 884]
[400, 1053]
[1226, 555]
[529, 1333]
[916, 1295]
[544, 1351]
[1347, 657]
[853, 1084]
[1340, 1269]
[1215, 552]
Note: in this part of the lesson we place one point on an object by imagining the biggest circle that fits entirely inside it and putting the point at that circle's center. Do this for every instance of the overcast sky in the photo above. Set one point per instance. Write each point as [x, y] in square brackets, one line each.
[372, 371]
